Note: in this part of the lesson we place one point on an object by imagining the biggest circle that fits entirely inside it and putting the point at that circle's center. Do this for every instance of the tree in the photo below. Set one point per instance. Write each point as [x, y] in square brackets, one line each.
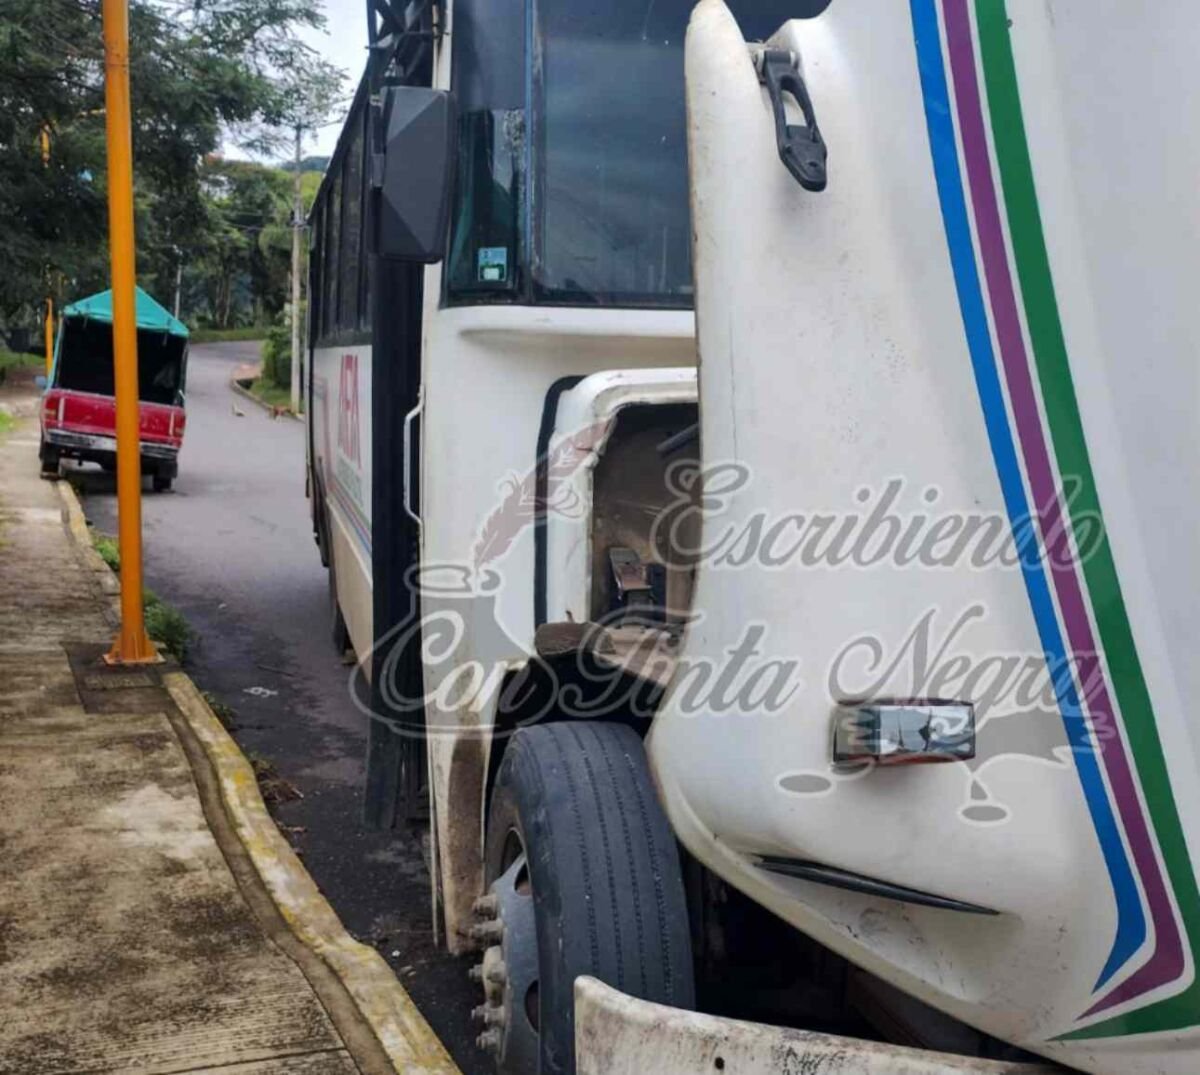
[200, 71]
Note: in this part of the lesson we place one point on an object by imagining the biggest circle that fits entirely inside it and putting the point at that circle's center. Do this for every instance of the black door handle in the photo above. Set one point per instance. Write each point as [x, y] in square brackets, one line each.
[801, 148]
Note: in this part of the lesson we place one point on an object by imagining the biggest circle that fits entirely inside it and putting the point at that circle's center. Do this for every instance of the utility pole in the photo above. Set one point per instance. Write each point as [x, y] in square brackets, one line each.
[132, 645]
[297, 234]
[178, 279]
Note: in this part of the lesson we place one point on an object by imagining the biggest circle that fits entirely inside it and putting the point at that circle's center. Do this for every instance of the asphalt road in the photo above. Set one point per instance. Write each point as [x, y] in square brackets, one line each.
[231, 547]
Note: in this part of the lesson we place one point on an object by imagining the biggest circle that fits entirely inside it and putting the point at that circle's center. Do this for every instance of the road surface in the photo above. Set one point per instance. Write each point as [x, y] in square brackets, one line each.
[231, 547]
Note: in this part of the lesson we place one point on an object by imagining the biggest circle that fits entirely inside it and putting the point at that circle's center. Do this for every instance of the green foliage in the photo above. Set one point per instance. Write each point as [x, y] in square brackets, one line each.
[165, 624]
[225, 714]
[227, 335]
[7, 423]
[203, 72]
[277, 354]
[273, 395]
[13, 359]
[106, 546]
[10, 360]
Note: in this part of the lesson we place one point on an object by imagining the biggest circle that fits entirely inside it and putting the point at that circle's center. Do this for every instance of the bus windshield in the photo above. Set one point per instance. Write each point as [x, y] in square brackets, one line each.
[610, 205]
[587, 99]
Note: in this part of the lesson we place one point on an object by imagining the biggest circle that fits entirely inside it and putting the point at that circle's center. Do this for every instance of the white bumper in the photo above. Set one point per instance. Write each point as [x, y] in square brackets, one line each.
[616, 1034]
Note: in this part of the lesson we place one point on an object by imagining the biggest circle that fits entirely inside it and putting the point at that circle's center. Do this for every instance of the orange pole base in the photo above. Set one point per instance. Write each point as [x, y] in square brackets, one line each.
[133, 651]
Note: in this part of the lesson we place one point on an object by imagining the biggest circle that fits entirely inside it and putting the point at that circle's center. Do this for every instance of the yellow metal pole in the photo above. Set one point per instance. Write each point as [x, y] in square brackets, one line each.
[49, 333]
[132, 645]
[49, 326]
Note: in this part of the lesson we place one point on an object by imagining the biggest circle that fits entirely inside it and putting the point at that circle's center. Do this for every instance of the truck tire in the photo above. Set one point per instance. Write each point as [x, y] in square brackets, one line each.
[162, 481]
[50, 461]
[584, 879]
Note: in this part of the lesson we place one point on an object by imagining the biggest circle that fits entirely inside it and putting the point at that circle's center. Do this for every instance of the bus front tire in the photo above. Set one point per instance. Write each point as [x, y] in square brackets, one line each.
[584, 878]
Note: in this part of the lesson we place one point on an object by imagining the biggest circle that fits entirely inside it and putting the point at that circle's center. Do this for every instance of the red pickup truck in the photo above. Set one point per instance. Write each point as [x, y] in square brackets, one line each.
[78, 410]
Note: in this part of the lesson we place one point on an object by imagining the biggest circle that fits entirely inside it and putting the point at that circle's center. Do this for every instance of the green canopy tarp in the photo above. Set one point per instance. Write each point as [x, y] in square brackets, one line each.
[150, 315]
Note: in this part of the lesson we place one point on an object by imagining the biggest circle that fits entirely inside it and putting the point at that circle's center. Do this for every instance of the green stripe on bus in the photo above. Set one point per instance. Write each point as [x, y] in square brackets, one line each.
[1070, 446]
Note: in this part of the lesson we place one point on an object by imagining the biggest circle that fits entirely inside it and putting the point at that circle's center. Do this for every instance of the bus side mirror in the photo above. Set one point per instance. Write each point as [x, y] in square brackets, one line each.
[412, 173]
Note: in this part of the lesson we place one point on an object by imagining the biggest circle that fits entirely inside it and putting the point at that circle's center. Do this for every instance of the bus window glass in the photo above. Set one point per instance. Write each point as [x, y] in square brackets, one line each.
[610, 204]
[364, 316]
[333, 218]
[489, 84]
[350, 260]
[314, 271]
[484, 251]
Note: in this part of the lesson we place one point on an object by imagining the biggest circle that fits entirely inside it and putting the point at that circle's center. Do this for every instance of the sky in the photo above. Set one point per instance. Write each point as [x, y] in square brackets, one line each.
[343, 43]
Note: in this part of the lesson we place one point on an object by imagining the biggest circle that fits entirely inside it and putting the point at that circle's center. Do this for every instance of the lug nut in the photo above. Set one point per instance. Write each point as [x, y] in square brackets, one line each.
[489, 1040]
[487, 906]
[488, 1015]
[495, 974]
[489, 932]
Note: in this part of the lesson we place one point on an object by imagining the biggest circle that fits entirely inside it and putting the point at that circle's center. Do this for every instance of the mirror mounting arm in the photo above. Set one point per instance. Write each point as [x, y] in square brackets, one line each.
[801, 147]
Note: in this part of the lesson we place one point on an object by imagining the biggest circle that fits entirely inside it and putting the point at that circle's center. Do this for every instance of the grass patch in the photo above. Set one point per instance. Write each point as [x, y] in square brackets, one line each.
[106, 546]
[7, 423]
[166, 625]
[271, 394]
[221, 711]
[12, 360]
[228, 335]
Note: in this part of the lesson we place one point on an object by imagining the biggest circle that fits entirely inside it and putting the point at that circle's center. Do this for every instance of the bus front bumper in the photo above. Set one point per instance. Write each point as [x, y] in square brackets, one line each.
[616, 1034]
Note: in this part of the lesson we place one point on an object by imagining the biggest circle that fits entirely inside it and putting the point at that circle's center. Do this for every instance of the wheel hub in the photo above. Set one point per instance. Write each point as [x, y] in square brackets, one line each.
[508, 972]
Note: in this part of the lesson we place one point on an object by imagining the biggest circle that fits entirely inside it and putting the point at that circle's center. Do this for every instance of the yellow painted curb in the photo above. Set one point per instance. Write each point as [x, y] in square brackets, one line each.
[78, 528]
[382, 1001]
[403, 1032]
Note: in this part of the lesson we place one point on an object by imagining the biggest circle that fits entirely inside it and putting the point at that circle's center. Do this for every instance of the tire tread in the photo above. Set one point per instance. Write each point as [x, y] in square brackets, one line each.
[608, 882]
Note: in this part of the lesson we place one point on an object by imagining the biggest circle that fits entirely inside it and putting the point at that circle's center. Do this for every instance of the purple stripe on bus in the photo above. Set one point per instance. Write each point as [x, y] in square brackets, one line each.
[1167, 962]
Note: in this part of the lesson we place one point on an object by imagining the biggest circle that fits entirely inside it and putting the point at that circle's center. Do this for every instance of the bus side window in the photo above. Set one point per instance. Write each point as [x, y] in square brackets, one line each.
[488, 81]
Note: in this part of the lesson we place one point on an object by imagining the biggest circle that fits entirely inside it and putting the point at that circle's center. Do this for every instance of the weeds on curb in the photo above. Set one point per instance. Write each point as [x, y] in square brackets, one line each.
[106, 546]
[274, 788]
[224, 713]
[165, 624]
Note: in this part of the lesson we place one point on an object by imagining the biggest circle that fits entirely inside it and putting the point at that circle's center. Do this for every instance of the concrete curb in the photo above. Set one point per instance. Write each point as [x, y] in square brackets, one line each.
[382, 1002]
[245, 393]
[108, 582]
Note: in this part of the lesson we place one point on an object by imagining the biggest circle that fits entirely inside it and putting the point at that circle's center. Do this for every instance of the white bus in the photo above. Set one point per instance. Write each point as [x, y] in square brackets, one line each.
[748, 507]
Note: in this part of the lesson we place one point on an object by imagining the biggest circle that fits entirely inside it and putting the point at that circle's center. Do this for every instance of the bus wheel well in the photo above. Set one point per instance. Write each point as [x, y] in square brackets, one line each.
[566, 688]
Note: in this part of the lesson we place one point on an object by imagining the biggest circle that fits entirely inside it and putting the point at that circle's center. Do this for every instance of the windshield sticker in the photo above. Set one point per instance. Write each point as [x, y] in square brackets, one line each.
[493, 264]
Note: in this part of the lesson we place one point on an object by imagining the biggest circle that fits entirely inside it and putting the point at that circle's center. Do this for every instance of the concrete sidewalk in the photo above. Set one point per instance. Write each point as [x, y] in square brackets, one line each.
[142, 926]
